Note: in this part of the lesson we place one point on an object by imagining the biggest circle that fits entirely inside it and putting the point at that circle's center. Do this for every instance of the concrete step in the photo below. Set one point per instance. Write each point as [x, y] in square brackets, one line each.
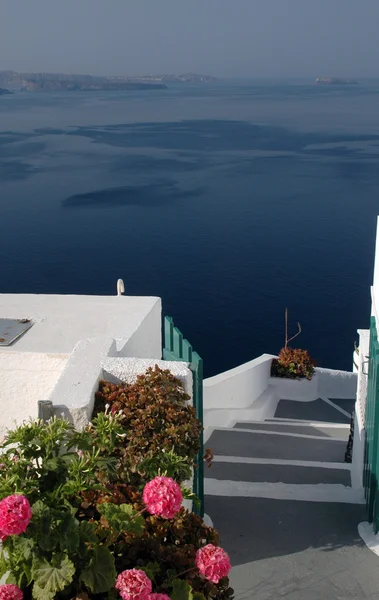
[322, 492]
[284, 421]
[317, 410]
[273, 473]
[305, 429]
[264, 444]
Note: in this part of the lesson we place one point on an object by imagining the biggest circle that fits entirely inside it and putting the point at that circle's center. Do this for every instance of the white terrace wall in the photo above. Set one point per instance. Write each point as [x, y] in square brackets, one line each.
[248, 393]
[239, 387]
[24, 377]
[147, 339]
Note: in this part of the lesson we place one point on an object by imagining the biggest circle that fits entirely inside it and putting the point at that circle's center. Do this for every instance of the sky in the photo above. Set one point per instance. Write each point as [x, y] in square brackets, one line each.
[225, 38]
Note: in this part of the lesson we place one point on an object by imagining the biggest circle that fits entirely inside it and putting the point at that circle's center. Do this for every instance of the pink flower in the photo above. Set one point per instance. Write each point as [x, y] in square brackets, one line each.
[15, 515]
[159, 597]
[10, 592]
[213, 563]
[163, 497]
[133, 584]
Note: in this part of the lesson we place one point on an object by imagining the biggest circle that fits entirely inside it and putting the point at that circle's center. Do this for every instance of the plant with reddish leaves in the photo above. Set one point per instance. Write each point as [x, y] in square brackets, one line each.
[162, 433]
[293, 364]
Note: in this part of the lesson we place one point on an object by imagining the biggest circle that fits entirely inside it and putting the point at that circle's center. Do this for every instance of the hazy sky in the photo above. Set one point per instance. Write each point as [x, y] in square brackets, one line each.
[229, 38]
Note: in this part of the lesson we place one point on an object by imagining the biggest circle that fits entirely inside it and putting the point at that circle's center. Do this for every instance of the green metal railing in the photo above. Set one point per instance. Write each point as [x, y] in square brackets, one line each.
[371, 467]
[179, 349]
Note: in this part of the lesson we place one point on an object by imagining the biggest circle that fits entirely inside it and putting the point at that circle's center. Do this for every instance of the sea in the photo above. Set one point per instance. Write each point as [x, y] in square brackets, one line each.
[231, 201]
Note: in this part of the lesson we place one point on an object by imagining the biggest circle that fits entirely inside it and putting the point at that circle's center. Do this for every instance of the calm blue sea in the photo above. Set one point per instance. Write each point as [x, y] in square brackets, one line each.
[230, 202]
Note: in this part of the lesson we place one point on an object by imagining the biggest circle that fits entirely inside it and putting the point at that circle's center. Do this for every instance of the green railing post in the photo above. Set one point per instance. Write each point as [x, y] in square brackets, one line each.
[371, 465]
[179, 349]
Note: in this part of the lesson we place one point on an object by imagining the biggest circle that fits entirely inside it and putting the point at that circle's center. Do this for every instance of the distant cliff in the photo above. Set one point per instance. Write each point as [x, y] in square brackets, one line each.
[33, 82]
[184, 78]
[334, 81]
[32, 85]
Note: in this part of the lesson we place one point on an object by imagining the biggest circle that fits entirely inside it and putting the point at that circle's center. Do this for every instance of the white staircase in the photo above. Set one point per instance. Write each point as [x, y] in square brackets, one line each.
[298, 454]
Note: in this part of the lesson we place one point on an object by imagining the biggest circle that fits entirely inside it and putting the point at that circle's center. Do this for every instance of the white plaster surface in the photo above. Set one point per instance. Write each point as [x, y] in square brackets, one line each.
[60, 322]
[146, 340]
[83, 329]
[239, 387]
[249, 393]
[26, 378]
[262, 408]
[301, 390]
[322, 492]
[367, 534]
[127, 369]
[333, 383]
[74, 394]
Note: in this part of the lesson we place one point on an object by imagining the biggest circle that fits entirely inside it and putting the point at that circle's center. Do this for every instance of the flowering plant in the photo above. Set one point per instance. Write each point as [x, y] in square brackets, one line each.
[293, 364]
[69, 525]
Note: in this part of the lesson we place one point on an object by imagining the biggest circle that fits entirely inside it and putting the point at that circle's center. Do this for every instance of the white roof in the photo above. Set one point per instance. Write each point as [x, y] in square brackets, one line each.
[61, 321]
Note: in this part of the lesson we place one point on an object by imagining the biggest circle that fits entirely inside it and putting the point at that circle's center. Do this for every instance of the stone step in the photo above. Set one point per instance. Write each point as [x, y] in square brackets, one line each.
[255, 472]
[305, 429]
[322, 492]
[317, 410]
[261, 444]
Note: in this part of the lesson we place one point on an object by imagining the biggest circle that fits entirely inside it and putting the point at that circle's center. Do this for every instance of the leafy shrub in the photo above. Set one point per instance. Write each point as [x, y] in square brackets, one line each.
[160, 426]
[87, 526]
[293, 364]
[166, 548]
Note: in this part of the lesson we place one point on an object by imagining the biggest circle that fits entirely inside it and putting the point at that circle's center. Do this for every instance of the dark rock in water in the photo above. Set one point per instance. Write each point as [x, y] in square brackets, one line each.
[3, 92]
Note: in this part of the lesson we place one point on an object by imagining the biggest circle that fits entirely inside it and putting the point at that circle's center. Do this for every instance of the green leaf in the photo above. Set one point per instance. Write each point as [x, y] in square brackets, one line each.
[87, 532]
[40, 594]
[101, 574]
[51, 577]
[22, 548]
[151, 569]
[181, 590]
[198, 596]
[120, 517]
[41, 527]
[69, 534]
[4, 566]
[87, 537]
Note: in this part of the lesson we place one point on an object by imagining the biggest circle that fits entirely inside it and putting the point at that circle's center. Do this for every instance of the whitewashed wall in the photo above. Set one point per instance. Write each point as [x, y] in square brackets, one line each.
[239, 387]
[147, 339]
[248, 393]
[25, 379]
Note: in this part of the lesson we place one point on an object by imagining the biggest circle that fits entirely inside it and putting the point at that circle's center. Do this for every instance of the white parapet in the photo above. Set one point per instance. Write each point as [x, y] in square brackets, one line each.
[248, 392]
[239, 387]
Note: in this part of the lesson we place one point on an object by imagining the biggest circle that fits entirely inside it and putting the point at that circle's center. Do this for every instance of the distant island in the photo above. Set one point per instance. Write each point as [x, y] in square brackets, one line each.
[3, 92]
[50, 82]
[334, 81]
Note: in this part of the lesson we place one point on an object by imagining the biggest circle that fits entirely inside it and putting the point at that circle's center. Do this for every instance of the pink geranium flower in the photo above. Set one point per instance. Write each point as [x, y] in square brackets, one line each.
[159, 597]
[15, 515]
[10, 592]
[213, 563]
[163, 496]
[133, 584]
